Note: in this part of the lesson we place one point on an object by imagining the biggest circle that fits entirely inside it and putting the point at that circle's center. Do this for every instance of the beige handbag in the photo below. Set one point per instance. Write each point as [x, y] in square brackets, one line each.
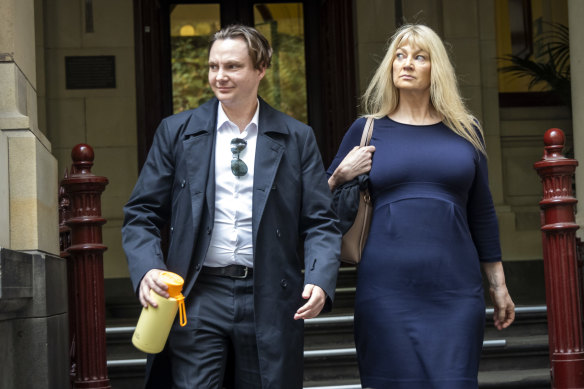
[354, 239]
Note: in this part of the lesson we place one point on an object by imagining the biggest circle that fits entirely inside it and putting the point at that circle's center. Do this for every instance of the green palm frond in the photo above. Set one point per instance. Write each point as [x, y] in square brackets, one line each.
[555, 72]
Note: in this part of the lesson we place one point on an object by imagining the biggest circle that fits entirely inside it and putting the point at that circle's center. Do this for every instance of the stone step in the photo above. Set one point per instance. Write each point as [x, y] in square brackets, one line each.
[515, 379]
[519, 353]
[523, 379]
[326, 332]
[518, 358]
[504, 379]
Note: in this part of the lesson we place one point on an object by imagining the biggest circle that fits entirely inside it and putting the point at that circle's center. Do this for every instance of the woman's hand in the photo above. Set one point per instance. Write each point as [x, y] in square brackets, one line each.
[504, 307]
[357, 162]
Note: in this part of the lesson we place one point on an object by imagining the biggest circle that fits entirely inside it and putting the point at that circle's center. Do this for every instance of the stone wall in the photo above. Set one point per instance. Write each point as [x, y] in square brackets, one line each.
[33, 284]
[104, 118]
[33, 321]
[28, 213]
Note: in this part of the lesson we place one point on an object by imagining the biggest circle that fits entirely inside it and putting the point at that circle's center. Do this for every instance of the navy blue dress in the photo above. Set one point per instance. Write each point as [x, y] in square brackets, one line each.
[419, 307]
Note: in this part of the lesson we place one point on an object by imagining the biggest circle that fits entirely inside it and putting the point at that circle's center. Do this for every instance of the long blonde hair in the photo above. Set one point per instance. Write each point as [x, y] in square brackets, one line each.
[382, 97]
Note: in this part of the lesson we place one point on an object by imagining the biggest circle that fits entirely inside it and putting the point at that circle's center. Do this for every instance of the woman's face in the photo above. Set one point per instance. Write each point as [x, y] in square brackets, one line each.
[411, 68]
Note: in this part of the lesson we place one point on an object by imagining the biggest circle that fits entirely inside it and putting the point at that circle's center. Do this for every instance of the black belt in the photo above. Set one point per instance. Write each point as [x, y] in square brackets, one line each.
[233, 271]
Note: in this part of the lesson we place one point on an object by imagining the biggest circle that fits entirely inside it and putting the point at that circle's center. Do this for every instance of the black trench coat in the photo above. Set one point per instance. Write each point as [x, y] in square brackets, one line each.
[291, 204]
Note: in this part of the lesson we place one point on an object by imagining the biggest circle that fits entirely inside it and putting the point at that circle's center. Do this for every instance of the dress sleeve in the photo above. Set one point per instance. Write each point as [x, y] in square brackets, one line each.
[482, 219]
[351, 139]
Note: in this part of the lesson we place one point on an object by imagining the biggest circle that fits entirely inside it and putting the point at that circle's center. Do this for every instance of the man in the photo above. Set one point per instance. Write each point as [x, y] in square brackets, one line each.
[240, 184]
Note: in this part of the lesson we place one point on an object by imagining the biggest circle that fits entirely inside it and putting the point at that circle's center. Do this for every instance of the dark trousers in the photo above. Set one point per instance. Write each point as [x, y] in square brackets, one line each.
[220, 322]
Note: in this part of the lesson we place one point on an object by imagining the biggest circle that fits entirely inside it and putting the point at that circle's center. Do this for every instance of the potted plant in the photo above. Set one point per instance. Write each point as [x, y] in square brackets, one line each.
[555, 72]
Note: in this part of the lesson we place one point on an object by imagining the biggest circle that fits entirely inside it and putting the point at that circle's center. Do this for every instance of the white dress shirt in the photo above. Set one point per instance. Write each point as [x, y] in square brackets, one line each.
[231, 240]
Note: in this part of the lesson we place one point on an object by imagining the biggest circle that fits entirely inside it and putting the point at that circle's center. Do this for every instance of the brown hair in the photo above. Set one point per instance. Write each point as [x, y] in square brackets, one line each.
[258, 46]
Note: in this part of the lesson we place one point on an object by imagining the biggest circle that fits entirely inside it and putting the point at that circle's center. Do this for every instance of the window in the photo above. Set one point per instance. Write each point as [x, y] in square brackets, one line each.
[191, 26]
[284, 86]
[524, 30]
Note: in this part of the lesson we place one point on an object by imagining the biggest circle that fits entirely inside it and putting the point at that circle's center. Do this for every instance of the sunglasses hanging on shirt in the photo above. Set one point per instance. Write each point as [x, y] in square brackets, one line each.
[238, 167]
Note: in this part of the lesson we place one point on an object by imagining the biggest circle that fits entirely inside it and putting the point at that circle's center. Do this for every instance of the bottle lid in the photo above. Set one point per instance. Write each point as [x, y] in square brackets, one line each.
[174, 282]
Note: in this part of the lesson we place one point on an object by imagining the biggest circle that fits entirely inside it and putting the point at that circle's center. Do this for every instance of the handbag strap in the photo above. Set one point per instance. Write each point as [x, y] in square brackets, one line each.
[367, 132]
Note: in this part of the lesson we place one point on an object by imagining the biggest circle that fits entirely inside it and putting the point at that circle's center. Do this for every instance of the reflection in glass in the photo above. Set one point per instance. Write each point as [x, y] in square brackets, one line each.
[284, 86]
[520, 24]
[191, 26]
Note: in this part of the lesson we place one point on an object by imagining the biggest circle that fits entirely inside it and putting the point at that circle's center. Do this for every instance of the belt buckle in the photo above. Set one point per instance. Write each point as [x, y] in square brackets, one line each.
[245, 272]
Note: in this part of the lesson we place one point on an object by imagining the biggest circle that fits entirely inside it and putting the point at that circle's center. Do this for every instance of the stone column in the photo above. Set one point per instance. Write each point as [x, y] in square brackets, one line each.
[576, 13]
[33, 292]
[28, 170]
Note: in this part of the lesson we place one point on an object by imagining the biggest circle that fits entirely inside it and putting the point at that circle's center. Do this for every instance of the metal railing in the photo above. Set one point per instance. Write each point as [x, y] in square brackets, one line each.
[345, 319]
[322, 353]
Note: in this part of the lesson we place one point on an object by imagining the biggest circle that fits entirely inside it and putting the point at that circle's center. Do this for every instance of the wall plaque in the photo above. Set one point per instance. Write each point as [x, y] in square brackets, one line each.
[90, 72]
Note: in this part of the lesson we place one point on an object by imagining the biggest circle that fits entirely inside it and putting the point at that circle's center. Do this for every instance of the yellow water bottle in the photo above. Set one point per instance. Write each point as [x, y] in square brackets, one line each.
[154, 323]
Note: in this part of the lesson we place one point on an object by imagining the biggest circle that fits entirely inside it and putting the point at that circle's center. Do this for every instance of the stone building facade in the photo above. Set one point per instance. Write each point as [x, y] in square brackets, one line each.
[42, 117]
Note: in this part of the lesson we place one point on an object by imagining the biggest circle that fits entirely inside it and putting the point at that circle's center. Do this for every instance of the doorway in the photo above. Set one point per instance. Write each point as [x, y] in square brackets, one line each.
[283, 87]
[312, 77]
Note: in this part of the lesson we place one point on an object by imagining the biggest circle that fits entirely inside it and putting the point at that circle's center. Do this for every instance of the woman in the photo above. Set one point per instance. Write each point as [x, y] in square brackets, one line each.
[419, 308]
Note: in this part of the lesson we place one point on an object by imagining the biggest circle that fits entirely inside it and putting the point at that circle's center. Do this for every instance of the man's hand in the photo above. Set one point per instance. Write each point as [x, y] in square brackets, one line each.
[316, 298]
[152, 281]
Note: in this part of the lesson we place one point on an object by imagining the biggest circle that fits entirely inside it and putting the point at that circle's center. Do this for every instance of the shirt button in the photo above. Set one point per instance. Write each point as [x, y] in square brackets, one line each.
[183, 183]
[278, 233]
[283, 283]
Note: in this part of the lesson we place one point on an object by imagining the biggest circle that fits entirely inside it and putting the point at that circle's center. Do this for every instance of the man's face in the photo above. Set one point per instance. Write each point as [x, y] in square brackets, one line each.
[232, 76]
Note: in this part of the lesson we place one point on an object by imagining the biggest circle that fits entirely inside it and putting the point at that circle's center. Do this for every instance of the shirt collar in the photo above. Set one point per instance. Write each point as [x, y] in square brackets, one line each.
[222, 117]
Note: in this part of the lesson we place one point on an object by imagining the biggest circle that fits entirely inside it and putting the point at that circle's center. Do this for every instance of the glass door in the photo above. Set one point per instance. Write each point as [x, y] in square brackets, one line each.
[191, 26]
[284, 86]
[312, 77]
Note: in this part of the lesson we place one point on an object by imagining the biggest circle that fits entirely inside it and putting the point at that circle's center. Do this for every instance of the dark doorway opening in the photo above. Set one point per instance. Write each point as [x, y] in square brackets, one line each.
[327, 45]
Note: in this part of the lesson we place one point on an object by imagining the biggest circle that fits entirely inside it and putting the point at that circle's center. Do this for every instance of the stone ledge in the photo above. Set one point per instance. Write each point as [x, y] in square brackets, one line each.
[32, 284]
[34, 219]
[16, 285]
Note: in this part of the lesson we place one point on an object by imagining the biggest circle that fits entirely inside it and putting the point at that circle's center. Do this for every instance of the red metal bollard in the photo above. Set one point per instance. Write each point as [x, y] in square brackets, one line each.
[86, 290]
[64, 244]
[564, 304]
